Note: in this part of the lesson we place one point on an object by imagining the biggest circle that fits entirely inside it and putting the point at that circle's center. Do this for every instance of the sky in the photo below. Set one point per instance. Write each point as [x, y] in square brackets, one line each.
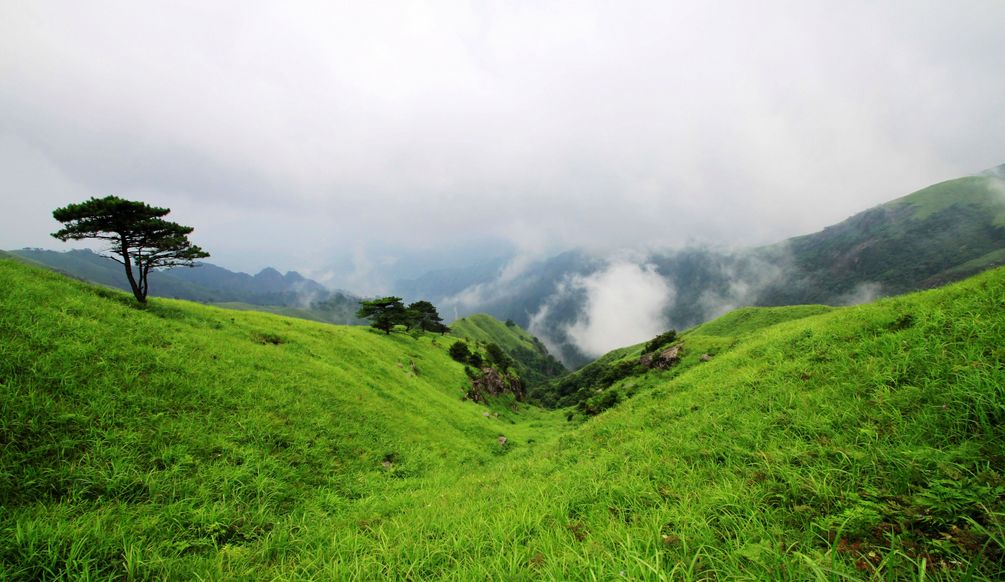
[355, 141]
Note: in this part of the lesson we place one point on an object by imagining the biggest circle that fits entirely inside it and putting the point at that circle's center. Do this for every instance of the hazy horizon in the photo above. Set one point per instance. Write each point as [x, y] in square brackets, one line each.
[355, 144]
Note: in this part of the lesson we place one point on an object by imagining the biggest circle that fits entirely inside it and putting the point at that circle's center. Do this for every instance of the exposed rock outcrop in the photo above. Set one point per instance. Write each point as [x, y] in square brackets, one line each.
[491, 382]
[664, 359]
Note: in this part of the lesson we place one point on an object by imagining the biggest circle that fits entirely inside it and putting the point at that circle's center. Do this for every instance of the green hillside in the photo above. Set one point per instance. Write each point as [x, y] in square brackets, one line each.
[186, 442]
[985, 191]
[939, 234]
[591, 384]
[269, 291]
[535, 365]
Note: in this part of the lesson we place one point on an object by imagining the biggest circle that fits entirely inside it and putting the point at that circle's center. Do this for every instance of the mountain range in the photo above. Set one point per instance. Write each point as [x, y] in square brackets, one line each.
[269, 290]
[941, 233]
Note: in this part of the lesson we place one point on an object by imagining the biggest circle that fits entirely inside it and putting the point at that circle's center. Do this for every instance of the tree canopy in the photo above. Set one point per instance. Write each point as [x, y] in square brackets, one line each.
[384, 313]
[139, 237]
[423, 315]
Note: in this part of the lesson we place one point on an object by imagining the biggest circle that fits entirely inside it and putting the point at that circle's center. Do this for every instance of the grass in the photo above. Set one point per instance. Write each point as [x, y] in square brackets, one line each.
[981, 191]
[533, 361]
[186, 442]
[308, 314]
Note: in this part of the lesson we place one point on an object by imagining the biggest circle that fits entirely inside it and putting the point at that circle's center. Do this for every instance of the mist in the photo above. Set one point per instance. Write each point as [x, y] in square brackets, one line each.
[347, 140]
[624, 306]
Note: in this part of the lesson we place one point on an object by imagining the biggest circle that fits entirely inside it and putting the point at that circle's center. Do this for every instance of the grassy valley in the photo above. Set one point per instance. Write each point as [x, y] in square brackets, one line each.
[182, 441]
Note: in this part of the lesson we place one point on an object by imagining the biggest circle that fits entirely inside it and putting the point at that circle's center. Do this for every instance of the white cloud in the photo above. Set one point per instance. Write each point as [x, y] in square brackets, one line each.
[550, 124]
[625, 305]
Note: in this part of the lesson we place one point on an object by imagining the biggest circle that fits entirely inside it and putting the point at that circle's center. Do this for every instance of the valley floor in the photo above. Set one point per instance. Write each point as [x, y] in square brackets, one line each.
[187, 442]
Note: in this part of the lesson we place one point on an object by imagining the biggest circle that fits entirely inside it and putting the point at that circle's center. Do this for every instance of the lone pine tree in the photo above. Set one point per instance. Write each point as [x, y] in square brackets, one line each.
[139, 237]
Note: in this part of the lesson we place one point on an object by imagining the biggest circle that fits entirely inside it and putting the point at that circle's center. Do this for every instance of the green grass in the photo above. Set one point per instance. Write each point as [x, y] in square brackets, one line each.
[308, 314]
[981, 191]
[533, 362]
[186, 442]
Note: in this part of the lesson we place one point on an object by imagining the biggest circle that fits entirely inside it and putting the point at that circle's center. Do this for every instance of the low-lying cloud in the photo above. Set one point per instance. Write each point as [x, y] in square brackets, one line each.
[625, 304]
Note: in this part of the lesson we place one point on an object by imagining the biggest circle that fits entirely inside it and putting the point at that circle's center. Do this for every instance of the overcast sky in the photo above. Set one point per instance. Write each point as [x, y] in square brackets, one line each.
[307, 135]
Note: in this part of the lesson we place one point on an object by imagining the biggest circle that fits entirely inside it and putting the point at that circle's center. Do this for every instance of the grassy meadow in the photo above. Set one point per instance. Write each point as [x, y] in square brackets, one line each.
[181, 441]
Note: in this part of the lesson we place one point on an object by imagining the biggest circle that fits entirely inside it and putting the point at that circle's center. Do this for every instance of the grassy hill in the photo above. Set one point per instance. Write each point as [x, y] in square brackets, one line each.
[133, 436]
[182, 441]
[269, 291]
[941, 233]
[597, 380]
[534, 364]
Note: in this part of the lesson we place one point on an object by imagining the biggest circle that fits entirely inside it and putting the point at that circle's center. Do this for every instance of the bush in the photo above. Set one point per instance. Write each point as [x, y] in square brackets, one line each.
[460, 352]
[600, 402]
[498, 357]
[661, 340]
[475, 359]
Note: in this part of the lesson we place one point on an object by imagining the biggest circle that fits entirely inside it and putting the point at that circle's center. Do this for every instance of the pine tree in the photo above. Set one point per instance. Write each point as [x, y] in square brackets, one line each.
[140, 239]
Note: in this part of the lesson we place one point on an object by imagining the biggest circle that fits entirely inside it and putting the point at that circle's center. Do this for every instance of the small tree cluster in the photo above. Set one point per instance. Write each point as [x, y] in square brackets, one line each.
[497, 357]
[423, 315]
[661, 340]
[460, 352]
[385, 313]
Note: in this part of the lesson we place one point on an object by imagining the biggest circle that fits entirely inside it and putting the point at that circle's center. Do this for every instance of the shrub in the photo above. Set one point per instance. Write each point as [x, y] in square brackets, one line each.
[498, 357]
[661, 340]
[460, 352]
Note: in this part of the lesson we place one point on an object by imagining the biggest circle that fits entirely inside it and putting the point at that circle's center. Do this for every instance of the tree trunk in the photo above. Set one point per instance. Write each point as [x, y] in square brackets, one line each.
[141, 297]
[144, 281]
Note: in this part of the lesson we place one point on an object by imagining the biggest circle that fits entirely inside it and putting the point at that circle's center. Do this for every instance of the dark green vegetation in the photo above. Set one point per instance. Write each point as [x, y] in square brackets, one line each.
[530, 358]
[387, 313]
[138, 237]
[184, 442]
[384, 313]
[939, 234]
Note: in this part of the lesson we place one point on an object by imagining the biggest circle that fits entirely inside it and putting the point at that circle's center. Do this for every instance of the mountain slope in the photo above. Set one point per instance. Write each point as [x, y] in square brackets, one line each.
[858, 443]
[197, 427]
[181, 441]
[590, 388]
[939, 234]
[917, 241]
[534, 364]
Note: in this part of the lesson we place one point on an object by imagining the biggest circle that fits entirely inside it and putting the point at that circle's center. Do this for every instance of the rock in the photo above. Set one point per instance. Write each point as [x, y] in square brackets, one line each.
[705, 357]
[663, 360]
[502, 441]
[486, 414]
[490, 382]
[387, 465]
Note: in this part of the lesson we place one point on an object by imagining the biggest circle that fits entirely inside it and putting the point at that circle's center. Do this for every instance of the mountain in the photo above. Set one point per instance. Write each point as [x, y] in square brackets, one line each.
[181, 441]
[439, 284]
[269, 290]
[939, 234]
[533, 362]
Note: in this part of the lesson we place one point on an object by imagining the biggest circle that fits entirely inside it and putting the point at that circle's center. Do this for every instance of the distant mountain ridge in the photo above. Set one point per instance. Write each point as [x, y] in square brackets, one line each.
[268, 290]
[939, 234]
